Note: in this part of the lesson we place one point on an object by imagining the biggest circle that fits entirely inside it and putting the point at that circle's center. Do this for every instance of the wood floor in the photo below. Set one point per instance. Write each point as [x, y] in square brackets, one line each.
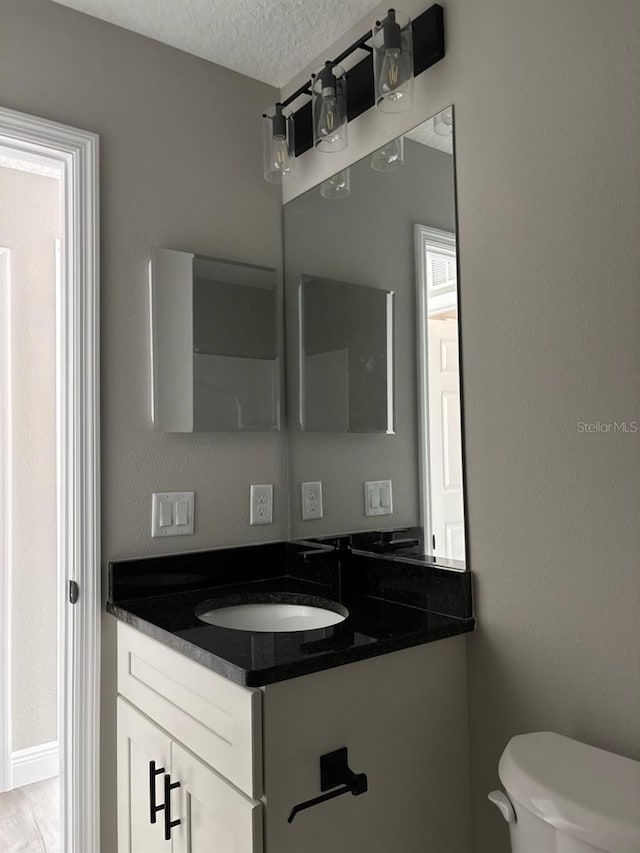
[29, 819]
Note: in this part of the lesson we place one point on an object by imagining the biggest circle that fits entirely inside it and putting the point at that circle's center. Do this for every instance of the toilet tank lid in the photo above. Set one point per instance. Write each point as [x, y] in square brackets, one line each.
[586, 792]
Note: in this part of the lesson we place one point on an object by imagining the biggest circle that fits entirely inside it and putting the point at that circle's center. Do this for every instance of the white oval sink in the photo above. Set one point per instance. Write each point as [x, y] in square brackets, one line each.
[272, 616]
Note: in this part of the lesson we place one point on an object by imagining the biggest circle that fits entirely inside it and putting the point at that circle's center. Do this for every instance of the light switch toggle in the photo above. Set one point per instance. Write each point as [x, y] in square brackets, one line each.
[172, 513]
[166, 514]
[182, 513]
[378, 497]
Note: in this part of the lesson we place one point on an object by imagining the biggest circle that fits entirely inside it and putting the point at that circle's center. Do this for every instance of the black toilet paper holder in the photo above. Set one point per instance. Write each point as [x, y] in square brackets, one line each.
[334, 771]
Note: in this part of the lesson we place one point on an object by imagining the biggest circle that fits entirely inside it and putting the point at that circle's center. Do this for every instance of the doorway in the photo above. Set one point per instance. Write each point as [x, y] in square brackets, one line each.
[49, 488]
[30, 235]
[442, 496]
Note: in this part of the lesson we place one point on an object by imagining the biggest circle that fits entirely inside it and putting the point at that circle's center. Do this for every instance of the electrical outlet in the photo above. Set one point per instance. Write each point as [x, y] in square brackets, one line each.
[261, 504]
[311, 500]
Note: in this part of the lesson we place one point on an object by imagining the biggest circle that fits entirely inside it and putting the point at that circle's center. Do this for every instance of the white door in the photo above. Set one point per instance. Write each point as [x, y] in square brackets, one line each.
[445, 442]
[144, 756]
[214, 816]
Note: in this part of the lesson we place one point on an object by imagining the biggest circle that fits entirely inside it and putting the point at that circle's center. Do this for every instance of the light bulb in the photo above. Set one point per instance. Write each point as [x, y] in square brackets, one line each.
[329, 108]
[279, 157]
[390, 73]
[393, 62]
[281, 160]
[327, 118]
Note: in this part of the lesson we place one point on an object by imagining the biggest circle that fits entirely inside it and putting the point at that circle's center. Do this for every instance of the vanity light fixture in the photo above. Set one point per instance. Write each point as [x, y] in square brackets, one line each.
[338, 186]
[397, 50]
[329, 99]
[278, 145]
[390, 157]
[393, 62]
[443, 123]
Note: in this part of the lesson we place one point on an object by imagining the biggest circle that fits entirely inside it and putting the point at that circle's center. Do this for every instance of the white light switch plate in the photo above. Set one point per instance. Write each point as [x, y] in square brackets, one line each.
[378, 497]
[172, 513]
[311, 500]
[261, 504]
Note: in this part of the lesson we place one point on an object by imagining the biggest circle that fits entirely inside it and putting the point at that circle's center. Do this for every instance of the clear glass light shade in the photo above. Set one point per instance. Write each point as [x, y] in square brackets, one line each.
[329, 96]
[390, 157]
[393, 62]
[339, 186]
[278, 146]
[443, 122]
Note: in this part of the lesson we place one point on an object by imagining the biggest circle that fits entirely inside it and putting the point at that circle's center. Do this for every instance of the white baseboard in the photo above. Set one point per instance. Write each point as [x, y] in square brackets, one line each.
[34, 764]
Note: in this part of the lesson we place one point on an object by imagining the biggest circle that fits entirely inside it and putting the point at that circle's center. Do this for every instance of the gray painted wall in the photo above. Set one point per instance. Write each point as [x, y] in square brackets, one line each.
[365, 239]
[549, 217]
[181, 166]
[29, 227]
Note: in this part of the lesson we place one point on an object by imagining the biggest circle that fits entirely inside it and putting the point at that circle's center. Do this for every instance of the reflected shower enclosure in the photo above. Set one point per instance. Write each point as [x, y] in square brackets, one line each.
[346, 357]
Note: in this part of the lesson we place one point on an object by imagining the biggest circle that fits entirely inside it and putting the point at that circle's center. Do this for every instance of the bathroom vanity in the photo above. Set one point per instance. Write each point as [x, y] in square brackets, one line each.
[223, 732]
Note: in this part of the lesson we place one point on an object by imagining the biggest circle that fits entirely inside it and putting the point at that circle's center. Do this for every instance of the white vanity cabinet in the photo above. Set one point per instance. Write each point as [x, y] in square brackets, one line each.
[242, 758]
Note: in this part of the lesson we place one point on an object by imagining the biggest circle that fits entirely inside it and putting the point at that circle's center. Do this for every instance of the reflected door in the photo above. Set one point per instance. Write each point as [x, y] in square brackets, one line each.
[445, 440]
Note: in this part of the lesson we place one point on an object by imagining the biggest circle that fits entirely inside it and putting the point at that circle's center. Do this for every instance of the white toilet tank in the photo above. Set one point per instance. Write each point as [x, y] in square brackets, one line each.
[563, 796]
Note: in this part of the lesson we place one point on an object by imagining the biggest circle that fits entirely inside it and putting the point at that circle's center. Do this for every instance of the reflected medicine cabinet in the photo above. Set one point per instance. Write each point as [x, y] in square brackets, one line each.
[215, 344]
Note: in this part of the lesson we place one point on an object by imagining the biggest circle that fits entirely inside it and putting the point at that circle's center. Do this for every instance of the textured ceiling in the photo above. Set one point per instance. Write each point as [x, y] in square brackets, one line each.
[265, 39]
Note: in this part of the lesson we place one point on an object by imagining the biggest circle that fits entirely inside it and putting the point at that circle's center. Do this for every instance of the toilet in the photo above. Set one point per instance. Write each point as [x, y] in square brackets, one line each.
[563, 796]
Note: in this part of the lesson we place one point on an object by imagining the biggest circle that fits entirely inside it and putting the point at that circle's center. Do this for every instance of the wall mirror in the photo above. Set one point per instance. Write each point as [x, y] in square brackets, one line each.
[216, 343]
[373, 383]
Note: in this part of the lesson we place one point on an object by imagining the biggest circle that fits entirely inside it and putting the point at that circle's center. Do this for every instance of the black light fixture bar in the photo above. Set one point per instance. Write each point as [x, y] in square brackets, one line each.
[428, 48]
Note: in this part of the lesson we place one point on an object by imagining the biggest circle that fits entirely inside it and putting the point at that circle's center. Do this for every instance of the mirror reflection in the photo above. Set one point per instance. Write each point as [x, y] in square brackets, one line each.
[346, 357]
[375, 391]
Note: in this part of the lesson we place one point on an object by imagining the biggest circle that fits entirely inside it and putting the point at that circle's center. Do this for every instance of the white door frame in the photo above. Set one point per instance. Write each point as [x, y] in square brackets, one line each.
[5, 520]
[75, 152]
[424, 239]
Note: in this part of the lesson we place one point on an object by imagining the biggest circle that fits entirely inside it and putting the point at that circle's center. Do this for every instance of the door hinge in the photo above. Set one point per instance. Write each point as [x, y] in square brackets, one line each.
[433, 537]
[74, 592]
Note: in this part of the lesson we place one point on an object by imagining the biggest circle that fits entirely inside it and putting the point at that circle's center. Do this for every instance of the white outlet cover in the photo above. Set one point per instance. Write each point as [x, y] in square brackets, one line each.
[166, 507]
[311, 500]
[261, 510]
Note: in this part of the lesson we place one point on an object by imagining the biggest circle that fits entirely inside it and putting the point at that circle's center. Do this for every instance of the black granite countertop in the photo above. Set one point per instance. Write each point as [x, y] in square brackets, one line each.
[390, 605]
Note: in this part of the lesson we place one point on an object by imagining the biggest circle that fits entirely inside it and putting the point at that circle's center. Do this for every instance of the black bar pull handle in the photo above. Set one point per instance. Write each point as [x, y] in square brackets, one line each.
[169, 786]
[153, 808]
[334, 771]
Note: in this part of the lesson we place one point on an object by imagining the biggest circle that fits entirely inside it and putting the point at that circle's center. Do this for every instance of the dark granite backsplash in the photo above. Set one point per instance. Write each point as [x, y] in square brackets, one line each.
[130, 579]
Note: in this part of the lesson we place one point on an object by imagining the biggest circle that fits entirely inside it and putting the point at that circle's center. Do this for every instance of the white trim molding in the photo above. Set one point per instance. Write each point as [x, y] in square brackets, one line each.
[75, 152]
[5, 520]
[35, 764]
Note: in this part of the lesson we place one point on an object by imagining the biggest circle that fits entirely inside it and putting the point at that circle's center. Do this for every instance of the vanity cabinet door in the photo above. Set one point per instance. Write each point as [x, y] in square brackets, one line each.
[142, 749]
[217, 720]
[214, 816]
